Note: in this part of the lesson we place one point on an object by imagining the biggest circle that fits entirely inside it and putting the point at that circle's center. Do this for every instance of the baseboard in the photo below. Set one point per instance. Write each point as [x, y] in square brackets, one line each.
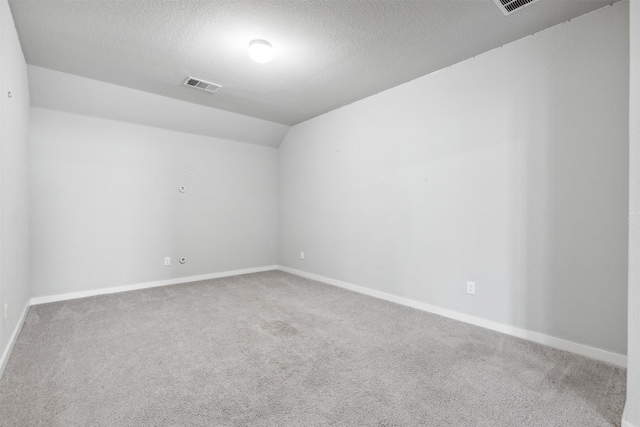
[583, 350]
[625, 414]
[134, 287]
[12, 340]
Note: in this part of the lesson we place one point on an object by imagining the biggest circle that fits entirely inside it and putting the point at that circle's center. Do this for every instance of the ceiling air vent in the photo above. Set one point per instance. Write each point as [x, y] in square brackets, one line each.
[201, 84]
[509, 6]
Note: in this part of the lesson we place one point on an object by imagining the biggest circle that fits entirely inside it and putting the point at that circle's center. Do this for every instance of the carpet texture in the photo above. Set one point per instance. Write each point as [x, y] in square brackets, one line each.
[274, 349]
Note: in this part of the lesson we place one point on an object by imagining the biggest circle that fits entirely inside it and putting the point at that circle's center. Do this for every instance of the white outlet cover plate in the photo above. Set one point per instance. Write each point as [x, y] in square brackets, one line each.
[471, 288]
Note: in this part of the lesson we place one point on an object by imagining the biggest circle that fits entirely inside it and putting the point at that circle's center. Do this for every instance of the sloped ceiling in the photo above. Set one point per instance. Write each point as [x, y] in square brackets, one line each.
[328, 53]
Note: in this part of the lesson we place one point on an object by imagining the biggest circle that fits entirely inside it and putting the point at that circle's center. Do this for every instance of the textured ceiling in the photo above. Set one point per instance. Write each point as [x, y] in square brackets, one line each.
[328, 53]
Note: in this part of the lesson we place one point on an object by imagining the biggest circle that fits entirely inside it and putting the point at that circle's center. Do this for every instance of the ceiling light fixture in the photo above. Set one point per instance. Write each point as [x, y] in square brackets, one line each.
[261, 51]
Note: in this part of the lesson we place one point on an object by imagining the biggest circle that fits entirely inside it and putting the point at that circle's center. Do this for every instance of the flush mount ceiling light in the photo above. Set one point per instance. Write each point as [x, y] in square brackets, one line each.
[261, 51]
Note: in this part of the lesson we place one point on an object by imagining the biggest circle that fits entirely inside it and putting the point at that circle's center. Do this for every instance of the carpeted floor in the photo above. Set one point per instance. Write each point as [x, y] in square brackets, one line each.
[274, 349]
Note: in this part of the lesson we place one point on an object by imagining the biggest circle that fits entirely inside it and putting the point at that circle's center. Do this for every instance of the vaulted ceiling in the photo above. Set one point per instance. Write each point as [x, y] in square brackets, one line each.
[327, 53]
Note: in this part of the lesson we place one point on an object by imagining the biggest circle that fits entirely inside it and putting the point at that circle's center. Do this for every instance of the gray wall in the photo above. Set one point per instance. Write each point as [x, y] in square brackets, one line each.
[632, 408]
[509, 169]
[14, 226]
[106, 210]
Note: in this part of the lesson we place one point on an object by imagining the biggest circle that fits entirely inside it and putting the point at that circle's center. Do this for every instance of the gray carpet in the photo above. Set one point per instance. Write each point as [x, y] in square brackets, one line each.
[274, 349]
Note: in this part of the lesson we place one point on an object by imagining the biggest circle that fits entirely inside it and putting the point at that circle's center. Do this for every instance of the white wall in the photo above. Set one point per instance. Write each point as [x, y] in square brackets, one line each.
[14, 115]
[106, 210]
[632, 409]
[509, 169]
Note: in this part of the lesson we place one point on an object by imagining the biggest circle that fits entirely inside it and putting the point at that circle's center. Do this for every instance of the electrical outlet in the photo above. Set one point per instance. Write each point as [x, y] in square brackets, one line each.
[471, 288]
[167, 260]
[301, 255]
[6, 312]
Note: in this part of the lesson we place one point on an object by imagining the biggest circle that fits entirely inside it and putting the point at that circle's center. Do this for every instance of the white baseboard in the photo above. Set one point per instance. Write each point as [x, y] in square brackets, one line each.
[125, 288]
[625, 422]
[583, 350]
[12, 340]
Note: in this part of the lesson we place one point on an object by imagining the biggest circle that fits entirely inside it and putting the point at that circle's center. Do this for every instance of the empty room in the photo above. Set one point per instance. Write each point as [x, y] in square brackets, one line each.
[320, 213]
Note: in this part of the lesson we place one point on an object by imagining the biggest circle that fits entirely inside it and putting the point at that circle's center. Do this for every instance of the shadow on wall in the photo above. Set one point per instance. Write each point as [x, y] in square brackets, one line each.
[569, 183]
